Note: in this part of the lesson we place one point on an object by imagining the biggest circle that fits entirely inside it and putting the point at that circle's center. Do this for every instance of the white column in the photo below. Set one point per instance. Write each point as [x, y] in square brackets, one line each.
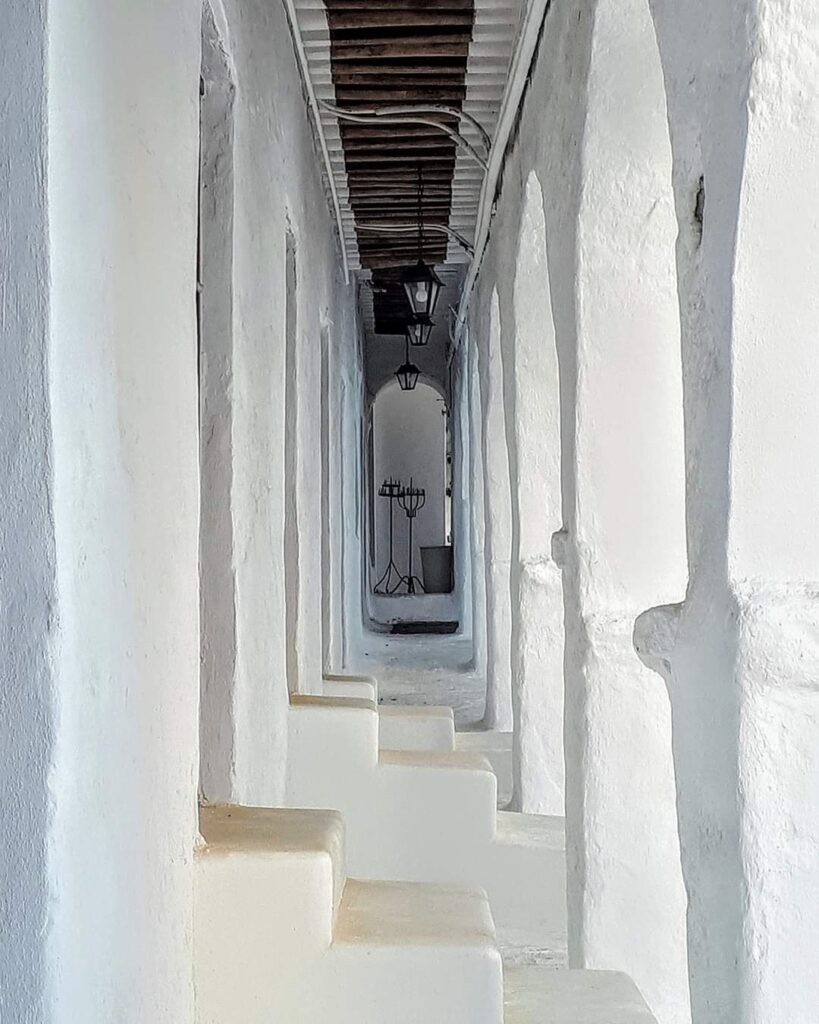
[28, 591]
[742, 653]
[123, 124]
[625, 537]
[532, 394]
[497, 524]
[477, 507]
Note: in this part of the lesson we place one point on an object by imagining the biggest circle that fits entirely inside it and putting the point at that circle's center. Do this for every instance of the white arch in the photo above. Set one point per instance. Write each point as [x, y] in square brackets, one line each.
[626, 530]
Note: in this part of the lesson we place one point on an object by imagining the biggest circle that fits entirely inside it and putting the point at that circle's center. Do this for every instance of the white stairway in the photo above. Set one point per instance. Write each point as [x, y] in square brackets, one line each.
[426, 816]
[401, 727]
[282, 936]
[428, 727]
[533, 995]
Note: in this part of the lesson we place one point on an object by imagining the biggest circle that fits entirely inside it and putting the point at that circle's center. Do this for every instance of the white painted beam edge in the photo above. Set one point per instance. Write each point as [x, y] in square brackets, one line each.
[522, 57]
[298, 42]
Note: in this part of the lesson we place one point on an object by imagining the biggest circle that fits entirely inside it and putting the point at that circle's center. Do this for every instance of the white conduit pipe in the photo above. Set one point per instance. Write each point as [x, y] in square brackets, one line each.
[522, 58]
[378, 116]
[406, 229]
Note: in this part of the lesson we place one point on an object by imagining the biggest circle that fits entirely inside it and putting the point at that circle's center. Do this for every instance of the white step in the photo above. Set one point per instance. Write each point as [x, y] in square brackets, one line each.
[496, 747]
[400, 727]
[431, 947]
[428, 817]
[281, 935]
[350, 686]
[537, 995]
[416, 728]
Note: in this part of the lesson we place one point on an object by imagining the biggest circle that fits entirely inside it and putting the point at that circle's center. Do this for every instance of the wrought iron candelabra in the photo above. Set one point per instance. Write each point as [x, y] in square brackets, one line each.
[390, 489]
[412, 500]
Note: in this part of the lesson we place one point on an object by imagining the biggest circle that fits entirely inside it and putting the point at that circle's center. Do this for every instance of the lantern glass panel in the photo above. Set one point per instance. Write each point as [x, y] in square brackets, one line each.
[407, 375]
[419, 331]
[422, 286]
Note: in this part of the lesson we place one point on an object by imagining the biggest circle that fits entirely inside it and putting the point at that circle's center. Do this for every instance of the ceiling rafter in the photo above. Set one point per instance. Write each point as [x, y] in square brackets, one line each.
[390, 55]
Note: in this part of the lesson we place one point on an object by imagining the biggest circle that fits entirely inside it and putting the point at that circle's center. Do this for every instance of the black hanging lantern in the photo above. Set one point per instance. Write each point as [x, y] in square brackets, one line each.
[407, 373]
[419, 330]
[422, 286]
[420, 282]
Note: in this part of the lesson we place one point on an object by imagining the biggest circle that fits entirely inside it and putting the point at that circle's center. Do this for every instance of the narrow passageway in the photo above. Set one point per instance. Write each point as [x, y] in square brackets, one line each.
[408, 565]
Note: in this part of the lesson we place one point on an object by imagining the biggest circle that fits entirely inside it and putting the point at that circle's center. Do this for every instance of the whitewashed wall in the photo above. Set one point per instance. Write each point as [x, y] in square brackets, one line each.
[599, 145]
[28, 702]
[122, 170]
[496, 546]
[740, 653]
[99, 543]
[278, 189]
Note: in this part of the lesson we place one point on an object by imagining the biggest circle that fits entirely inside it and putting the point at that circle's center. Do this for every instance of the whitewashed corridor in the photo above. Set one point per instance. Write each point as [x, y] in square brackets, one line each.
[409, 584]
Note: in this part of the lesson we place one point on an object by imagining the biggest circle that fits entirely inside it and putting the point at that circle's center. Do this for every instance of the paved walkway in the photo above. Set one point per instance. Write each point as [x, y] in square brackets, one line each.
[426, 669]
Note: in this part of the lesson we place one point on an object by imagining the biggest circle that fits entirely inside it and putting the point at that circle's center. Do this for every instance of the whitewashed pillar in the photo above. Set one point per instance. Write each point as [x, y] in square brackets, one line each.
[625, 535]
[532, 400]
[497, 525]
[741, 654]
[477, 506]
[28, 577]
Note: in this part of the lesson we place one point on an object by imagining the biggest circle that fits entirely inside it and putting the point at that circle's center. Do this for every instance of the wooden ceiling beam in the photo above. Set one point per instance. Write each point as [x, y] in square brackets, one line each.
[398, 5]
[340, 41]
[453, 81]
[386, 68]
[418, 94]
[420, 47]
[399, 154]
[375, 17]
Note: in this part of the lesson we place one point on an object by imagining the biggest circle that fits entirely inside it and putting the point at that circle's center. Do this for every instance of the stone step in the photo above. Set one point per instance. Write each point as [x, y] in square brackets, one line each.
[406, 953]
[261, 857]
[537, 995]
[416, 728]
[496, 747]
[350, 686]
[427, 816]
[280, 934]
[530, 847]
[401, 727]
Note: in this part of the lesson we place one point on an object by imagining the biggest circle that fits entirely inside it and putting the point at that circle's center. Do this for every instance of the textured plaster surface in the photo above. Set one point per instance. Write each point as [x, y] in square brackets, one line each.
[278, 190]
[217, 588]
[740, 654]
[28, 609]
[123, 143]
[532, 438]
[597, 140]
[497, 519]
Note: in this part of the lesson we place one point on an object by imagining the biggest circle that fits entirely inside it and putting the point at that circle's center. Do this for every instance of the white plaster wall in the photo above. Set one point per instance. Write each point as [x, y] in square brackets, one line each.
[477, 506]
[409, 433]
[27, 554]
[532, 397]
[278, 185]
[123, 141]
[740, 654]
[497, 520]
[217, 578]
[629, 513]
[352, 549]
[598, 143]
[461, 492]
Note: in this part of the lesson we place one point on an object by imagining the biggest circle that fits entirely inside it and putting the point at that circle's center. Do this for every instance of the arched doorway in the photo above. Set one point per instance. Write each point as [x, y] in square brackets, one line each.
[411, 445]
